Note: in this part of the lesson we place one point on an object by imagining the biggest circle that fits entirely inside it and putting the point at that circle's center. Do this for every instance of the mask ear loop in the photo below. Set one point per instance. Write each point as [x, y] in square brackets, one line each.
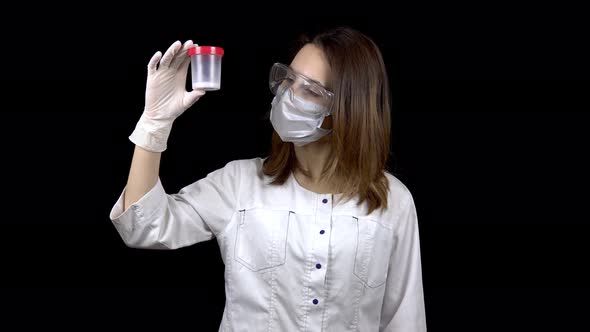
[328, 110]
[328, 113]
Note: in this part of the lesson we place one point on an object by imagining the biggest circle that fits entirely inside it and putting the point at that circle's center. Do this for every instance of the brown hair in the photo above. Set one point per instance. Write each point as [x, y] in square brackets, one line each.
[360, 120]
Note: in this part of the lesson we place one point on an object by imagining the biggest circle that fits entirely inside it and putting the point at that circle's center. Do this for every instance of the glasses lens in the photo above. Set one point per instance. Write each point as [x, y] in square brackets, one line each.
[283, 78]
[280, 78]
[312, 92]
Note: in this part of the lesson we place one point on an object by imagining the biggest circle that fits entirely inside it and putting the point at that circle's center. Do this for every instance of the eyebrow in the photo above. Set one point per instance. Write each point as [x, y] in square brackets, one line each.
[310, 79]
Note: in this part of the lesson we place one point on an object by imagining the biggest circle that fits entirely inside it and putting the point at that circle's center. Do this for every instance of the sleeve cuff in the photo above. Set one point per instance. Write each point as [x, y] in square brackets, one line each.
[140, 211]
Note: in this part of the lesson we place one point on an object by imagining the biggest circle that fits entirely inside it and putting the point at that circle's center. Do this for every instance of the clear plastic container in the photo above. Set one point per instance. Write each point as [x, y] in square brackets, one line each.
[206, 67]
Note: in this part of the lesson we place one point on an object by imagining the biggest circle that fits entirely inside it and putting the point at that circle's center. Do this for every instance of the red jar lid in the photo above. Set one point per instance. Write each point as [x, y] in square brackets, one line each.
[205, 50]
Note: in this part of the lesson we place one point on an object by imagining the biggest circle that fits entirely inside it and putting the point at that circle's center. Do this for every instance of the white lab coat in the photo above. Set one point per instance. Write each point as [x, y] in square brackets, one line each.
[294, 261]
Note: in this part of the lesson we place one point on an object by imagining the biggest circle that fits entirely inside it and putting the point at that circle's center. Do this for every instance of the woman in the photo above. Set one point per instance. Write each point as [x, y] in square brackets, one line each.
[316, 236]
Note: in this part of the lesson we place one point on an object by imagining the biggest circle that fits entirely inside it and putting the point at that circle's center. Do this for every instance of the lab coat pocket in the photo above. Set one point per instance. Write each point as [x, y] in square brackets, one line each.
[374, 245]
[261, 239]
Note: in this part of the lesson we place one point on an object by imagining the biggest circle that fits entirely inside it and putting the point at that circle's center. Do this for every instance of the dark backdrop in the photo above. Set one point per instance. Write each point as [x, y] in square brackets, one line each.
[490, 134]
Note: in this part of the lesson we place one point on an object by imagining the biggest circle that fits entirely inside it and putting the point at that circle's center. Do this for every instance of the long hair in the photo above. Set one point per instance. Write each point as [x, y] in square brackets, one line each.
[360, 120]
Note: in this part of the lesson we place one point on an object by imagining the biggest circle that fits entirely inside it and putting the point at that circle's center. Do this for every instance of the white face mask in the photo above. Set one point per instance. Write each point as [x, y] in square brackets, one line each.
[297, 120]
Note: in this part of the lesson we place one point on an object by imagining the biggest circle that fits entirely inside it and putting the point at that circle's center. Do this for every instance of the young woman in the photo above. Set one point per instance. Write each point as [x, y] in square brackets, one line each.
[317, 235]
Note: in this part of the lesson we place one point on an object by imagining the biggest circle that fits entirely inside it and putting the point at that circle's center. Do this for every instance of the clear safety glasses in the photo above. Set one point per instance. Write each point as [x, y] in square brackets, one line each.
[283, 77]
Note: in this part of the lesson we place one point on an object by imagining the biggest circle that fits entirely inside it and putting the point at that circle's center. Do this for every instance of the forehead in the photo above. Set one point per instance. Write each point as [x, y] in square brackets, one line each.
[311, 62]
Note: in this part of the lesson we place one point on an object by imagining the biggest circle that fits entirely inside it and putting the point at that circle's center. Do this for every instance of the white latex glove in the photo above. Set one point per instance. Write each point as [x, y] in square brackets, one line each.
[166, 97]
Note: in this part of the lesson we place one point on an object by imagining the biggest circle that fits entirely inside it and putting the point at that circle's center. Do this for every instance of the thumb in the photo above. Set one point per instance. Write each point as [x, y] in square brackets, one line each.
[191, 97]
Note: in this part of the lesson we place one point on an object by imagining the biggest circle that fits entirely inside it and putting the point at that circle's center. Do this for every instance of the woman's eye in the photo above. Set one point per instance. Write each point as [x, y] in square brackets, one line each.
[312, 93]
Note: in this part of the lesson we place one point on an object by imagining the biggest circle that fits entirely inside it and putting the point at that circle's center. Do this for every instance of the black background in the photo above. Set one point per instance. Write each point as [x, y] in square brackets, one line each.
[489, 133]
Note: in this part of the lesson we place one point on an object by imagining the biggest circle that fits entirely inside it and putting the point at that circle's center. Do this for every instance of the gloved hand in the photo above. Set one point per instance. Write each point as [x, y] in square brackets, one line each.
[166, 97]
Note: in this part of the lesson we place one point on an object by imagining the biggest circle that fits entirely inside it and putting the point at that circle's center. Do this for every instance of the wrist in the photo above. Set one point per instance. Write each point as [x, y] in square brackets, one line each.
[151, 134]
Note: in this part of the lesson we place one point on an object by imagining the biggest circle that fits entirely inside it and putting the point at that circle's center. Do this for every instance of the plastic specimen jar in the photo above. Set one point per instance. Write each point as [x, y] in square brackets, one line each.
[206, 67]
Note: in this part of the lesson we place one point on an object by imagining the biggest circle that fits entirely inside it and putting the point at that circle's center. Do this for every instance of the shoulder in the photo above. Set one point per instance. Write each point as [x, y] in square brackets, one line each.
[245, 168]
[399, 194]
[247, 165]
